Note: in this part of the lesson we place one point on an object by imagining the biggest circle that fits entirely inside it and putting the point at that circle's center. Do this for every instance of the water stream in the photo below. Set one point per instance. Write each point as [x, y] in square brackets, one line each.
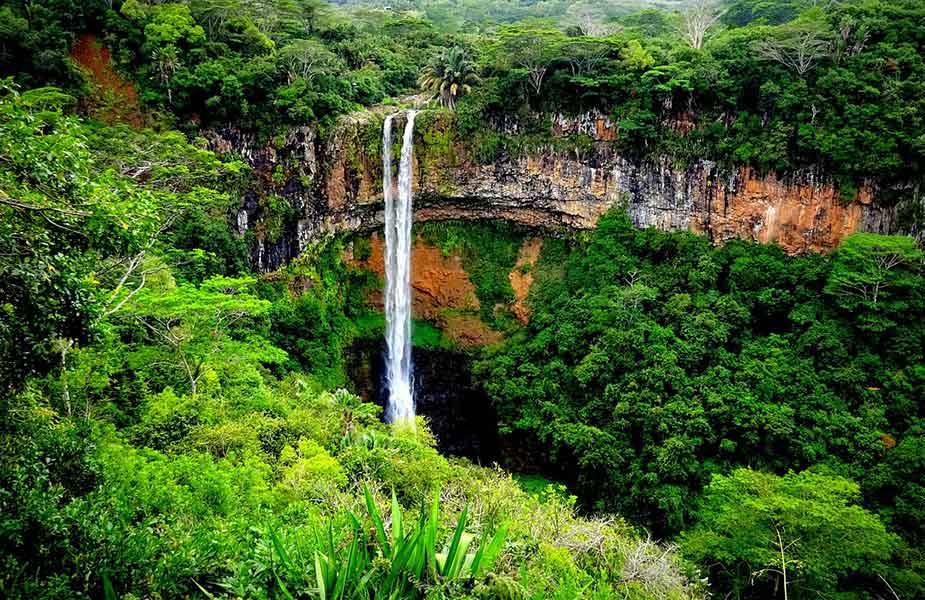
[400, 405]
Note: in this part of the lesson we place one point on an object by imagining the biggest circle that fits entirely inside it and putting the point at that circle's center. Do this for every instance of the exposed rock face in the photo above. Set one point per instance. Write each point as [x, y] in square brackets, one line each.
[437, 281]
[441, 291]
[334, 184]
[111, 98]
[521, 277]
[800, 213]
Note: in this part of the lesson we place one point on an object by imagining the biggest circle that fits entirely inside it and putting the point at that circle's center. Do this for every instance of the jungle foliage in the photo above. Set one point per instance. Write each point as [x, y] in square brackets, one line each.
[262, 64]
[839, 89]
[172, 424]
[165, 429]
[778, 86]
[657, 363]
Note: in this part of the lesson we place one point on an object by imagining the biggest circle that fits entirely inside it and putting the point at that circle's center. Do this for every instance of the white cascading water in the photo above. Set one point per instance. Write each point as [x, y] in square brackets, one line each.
[398, 274]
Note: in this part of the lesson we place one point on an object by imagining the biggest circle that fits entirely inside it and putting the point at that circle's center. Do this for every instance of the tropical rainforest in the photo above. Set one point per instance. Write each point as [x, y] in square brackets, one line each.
[680, 417]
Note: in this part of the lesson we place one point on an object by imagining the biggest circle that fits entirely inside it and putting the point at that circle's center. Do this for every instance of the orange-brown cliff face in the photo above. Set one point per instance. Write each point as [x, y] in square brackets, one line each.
[441, 291]
[437, 282]
[799, 217]
[521, 277]
[111, 98]
[335, 185]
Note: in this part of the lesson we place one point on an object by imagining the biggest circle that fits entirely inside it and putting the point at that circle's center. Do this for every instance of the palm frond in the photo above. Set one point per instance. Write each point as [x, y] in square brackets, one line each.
[448, 76]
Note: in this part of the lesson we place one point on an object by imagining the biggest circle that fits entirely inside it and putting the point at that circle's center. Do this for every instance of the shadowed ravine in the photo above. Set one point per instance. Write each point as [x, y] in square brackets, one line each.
[458, 410]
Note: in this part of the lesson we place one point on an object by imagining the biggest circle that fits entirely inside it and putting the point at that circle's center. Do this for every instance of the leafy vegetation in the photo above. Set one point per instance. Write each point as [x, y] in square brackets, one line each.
[838, 89]
[170, 434]
[657, 362]
[480, 15]
[448, 76]
[173, 424]
[409, 547]
[778, 86]
[805, 529]
[78, 216]
[263, 64]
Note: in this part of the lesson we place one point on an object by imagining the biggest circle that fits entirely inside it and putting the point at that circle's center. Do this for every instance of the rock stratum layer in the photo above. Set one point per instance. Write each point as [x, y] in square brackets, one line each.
[334, 185]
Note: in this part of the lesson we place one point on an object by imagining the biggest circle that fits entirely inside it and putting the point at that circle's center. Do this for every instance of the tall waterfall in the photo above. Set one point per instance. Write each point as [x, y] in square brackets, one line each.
[398, 274]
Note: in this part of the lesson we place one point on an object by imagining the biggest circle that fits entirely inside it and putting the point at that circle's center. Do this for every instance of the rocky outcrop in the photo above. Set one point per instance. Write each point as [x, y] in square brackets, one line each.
[334, 184]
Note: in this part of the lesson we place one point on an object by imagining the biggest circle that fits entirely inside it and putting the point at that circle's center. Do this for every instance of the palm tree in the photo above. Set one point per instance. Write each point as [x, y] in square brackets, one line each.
[448, 76]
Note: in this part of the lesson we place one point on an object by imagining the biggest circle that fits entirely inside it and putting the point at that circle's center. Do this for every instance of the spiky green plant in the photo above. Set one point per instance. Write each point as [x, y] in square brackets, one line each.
[397, 562]
[449, 76]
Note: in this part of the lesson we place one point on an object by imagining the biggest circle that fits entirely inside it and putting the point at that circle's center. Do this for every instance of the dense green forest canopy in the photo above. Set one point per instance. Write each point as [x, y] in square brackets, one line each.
[775, 85]
[173, 423]
[656, 361]
[469, 15]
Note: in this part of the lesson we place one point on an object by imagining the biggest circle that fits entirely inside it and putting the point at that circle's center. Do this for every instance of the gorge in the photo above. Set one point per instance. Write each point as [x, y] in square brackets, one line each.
[332, 184]
[462, 299]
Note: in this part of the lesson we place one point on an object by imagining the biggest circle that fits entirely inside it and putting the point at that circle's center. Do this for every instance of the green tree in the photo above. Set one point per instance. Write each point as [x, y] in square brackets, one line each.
[449, 76]
[201, 327]
[873, 277]
[635, 57]
[308, 59]
[799, 46]
[794, 536]
[529, 51]
[59, 220]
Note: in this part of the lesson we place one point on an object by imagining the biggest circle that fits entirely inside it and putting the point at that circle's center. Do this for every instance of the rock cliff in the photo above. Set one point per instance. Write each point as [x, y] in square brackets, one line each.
[441, 291]
[333, 183]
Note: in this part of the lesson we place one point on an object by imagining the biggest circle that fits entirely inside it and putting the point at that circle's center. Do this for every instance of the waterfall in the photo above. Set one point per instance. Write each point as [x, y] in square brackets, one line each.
[398, 274]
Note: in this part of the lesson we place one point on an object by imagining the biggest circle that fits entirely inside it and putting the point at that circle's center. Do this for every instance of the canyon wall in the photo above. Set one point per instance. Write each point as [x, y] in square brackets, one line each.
[333, 183]
[441, 290]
